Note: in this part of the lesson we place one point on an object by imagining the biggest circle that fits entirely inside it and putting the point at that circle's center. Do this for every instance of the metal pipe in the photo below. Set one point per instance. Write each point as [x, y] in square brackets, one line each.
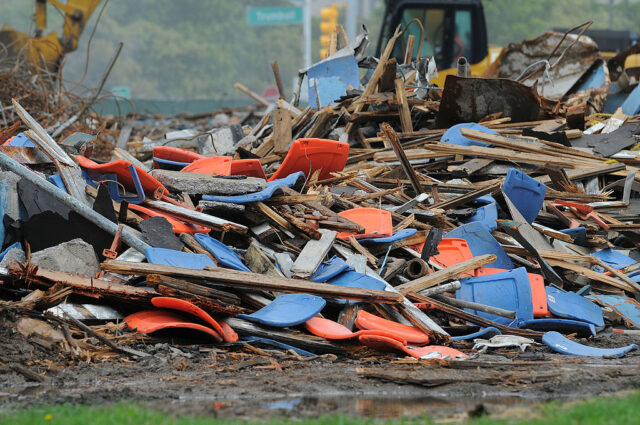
[463, 67]
[108, 226]
[436, 290]
[475, 306]
[416, 268]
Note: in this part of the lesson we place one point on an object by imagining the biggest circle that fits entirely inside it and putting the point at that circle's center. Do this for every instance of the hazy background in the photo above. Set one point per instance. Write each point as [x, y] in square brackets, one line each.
[197, 49]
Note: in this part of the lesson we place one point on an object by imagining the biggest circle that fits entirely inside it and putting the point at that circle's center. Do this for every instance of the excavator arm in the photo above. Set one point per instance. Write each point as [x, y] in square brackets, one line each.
[50, 48]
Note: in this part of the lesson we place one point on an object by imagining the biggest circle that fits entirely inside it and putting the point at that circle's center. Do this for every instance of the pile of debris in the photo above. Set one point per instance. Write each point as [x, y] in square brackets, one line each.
[401, 217]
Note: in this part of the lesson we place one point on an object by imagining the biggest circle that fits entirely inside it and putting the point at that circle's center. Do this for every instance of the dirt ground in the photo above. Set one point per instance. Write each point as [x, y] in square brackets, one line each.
[247, 383]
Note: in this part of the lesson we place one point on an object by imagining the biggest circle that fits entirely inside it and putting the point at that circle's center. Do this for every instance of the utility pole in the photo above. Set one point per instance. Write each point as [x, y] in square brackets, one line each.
[352, 13]
[306, 30]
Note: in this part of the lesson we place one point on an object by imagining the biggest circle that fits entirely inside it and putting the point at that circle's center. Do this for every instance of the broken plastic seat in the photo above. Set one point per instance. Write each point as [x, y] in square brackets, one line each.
[20, 140]
[212, 165]
[330, 269]
[329, 329]
[453, 135]
[177, 225]
[526, 193]
[120, 168]
[487, 332]
[538, 293]
[383, 343]
[376, 222]
[481, 241]
[399, 235]
[573, 306]
[150, 321]
[171, 157]
[579, 234]
[413, 335]
[170, 303]
[329, 79]
[287, 310]
[452, 251]
[171, 257]
[628, 308]
[176, 155]
[614, 258]
[225, 255]
[309, 155]
[353, 279]
[509, 290]
[560, 344]
[247, 167]
[566, 326]
[272, 187]
[487, 213]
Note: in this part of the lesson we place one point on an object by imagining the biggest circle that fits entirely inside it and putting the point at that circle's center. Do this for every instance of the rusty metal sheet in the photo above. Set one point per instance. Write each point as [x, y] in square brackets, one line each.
[25, 155]
[471, 99]
[516, 57]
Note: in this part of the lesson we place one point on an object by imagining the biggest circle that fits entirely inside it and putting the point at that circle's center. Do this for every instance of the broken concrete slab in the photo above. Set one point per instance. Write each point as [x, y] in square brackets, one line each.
[204, 184]
[75, 256]
[14, 254]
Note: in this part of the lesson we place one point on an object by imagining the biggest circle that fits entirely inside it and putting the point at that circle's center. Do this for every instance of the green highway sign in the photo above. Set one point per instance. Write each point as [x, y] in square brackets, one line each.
[274, 15]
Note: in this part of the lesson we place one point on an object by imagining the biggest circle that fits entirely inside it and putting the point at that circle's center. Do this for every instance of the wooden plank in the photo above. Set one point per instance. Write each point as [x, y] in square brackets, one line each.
[253, 281]
[470, 167]
[398, 149]
[405, 113]
[468, 197]
[196, 217]
[282, 130]
[449, 273]
[593, 275]
[313, 253]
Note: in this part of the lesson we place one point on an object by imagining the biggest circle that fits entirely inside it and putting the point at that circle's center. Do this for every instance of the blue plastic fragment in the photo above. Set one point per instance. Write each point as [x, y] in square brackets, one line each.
[627, 307]
[329, 79]
[330, 269]
[171, 257]
[579, 234]
[560, 325]
[225, 255]
[614, 258]
[486, 333]
[353, 279]
[169, 165]
[272, 186]
[15, 245]
[595, 79]
[558, 343]
[57, 181]
[526, 193]
[453, 136]
[573, 306]
[487, 213]
[22, 141]
[287, 310]
[402, 234]
[509, 290]
[631, 105]
[482, 242]
[268, 341]
[114, 188]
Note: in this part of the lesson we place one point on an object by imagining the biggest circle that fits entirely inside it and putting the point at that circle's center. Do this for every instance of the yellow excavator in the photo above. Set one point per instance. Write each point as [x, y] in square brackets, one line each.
[49, 48]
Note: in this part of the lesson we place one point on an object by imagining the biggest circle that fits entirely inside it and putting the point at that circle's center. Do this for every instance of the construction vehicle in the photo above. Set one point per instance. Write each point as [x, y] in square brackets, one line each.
[452, 29]
[49, 48]
[457, 28]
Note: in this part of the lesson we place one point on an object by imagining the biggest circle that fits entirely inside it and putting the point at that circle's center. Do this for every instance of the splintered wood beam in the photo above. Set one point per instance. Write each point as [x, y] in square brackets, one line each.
[254, 281]
[406, 165]
[313, 253]
[449, 273]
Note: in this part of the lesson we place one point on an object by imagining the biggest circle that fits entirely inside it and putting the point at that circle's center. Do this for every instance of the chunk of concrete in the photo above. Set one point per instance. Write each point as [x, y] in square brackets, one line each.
[13, 254]
[75, 256]
[205, 184]
[220, 141]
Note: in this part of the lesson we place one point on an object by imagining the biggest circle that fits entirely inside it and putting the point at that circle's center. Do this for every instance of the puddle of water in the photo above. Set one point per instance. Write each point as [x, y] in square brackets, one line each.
[394, 407]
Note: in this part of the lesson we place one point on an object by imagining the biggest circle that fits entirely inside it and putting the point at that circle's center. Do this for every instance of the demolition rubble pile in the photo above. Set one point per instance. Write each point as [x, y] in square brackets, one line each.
[390, 214]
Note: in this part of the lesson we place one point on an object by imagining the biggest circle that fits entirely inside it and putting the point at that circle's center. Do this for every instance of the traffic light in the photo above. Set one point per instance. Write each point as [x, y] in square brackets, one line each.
[329, 20]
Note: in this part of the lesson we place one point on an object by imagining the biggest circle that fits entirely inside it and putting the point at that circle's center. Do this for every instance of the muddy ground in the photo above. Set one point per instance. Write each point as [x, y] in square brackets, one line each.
[253, 383]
